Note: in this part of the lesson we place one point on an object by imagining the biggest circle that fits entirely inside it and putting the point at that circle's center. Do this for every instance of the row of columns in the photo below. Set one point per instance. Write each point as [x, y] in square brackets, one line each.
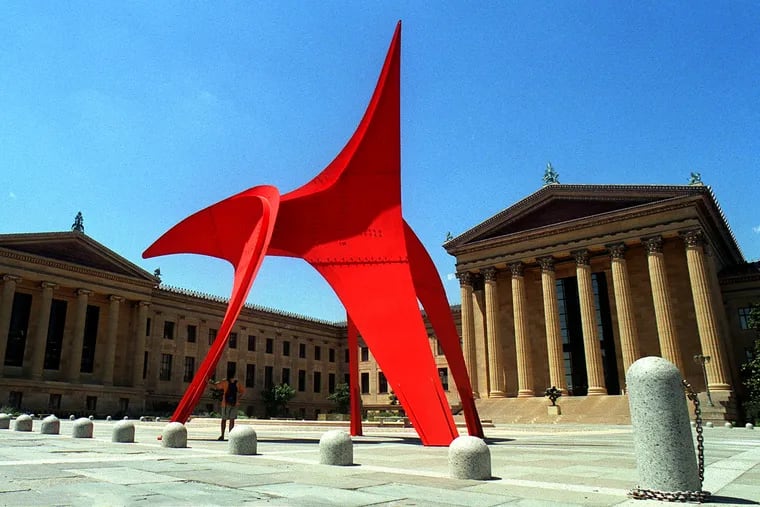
[71, 359]
[704, 303]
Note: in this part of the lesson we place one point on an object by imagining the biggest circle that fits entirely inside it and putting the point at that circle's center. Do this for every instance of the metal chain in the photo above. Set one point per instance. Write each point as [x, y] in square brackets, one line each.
[682, 496]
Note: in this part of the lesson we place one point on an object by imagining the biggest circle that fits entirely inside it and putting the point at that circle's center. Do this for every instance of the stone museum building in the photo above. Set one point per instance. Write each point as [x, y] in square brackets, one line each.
[572, 284]
[565, 288]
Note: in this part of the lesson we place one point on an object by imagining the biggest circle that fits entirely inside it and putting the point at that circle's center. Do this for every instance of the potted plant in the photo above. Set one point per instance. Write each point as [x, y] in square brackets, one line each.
[553, 393]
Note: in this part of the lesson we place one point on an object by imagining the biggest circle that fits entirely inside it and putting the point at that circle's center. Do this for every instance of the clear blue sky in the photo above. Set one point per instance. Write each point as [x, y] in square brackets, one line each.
[141, 113]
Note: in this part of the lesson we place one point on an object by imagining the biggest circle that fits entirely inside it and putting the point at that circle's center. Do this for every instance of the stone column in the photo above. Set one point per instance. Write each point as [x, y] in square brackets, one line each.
[6, 308]
[704, 307]
[139, 356]
[666, 326]
[553, 330]
[591, 347]
[519, 302]
[77, 340]
[629, 336]
[113, 327]
[468, 329]
[495, 363]
[39, 341]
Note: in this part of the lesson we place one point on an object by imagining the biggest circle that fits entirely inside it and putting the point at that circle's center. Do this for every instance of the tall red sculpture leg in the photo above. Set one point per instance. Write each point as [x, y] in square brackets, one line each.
[347, 223]
[353, 380]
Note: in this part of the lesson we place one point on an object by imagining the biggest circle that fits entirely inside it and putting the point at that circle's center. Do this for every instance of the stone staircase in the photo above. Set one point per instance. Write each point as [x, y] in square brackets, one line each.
[574, 409]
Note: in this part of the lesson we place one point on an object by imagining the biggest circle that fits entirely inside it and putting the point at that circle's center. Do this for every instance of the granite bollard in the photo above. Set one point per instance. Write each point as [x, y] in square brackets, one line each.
[82, 428]
[174, 435]
[469, 458]
[51, 425]
[664, 449]
[123, 432]
[242, 440]
[336, 448]
[23, 423]
[5, 421]
[749, 426]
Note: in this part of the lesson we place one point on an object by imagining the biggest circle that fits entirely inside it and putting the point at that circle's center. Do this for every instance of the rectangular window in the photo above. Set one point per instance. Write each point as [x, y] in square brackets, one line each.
[744, 317]
[382, 383]
[302, 350]
[251, 343]
[317, 353]
[91, 320]
[55, 334]
[123, 405]
[443, 374]
[268, 377]
[346, 356]
[250, 375]
[365, 382]
[231, 369]
[91, 403]
[54, 402]
[347, 378]
[286, 348]
[166, 367]
[168, 330]
[147, 327]
[192, 333]
[301, 380]
[145, 365]
[15, 398]
[14, 352]
[232, 341]
[317, 381]
[330, 383]
[211, 336]
[438, 347]
[331, 355]
[285, 376]
[365, 354]
[269, 346]
[189, 369]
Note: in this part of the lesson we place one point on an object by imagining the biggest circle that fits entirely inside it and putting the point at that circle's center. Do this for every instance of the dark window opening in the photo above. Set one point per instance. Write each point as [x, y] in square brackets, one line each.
[317, 353]
[301, 380]
[302, 350]
[231, 369]
[212, 336]
[382, 382]
[331, 383]
[365, 354]
[443, 374]
[55, 334]
[251, 343]
[232, 341]
[166, 367]
[286, 348]
[317, 381]
[18, 329]
[189, 369]
[365, 382]
[91, 320]
[192, 333]
[168, 330]
[250, 375]
[91, 403]
[269, 349]
[331, 355]
[268, 377]
[285, 377]
[54, 402]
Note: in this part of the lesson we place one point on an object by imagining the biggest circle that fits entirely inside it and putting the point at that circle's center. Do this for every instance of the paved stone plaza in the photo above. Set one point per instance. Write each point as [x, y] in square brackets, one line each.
[532, 465]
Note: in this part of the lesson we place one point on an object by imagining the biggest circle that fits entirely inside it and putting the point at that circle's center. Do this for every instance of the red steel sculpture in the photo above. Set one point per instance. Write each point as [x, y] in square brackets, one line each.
[347, 224]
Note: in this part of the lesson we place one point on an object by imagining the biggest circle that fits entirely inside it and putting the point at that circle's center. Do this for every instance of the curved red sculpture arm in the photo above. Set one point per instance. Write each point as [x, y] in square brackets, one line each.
[237, 229]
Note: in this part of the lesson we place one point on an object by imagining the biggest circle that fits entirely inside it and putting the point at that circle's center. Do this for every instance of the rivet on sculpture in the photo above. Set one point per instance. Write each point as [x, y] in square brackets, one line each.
[347, 223]
[174, 435]
[82, 428]
[50, 425]
[662, 436]
[469, 458]
[336, 448]
[5, 421]
[123, 432]
[23, 423]
[243, 440]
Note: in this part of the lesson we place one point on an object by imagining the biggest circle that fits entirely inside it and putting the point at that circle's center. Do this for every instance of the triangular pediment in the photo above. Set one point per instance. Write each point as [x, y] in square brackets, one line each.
[73, 248]
[560, 204]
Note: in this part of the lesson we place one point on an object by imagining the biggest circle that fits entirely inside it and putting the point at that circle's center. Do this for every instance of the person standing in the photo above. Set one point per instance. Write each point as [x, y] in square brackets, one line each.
[230, 398]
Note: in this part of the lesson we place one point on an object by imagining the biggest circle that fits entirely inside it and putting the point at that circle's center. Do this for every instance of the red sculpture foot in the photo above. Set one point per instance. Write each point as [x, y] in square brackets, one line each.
[347, 223]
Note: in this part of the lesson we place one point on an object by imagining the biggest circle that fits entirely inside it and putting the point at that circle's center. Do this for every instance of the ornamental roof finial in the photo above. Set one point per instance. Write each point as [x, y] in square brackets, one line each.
[551, 177]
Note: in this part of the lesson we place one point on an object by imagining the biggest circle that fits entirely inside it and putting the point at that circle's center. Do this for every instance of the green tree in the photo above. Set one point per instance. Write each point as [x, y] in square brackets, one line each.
[276, 400]
[341, 397]
[751, 370]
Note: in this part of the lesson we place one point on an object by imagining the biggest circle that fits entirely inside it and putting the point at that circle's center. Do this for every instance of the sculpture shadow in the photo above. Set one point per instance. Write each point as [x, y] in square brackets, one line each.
[729, 500]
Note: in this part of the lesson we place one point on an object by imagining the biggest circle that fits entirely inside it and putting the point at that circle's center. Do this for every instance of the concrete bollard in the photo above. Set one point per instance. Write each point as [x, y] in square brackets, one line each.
[664, 449]
[336, 448]
[727, 425]
[123, 432]
[174, 435]
[23, 423]
[51, 425]
[709, 424]
[469, 458]
[5, 421]
[82, 428]
[72, 417]
[108, 418]
[242, 440]
[749, 426]
[92, 418]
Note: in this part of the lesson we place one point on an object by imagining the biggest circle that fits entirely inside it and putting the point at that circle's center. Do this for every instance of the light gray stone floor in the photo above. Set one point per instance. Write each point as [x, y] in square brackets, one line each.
[532, 465]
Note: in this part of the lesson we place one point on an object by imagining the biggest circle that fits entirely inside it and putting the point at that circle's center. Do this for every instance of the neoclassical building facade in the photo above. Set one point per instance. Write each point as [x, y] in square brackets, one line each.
[572, 284]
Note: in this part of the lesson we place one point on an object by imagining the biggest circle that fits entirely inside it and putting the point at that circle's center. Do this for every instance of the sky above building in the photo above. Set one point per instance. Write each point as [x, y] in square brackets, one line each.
[140, 113]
